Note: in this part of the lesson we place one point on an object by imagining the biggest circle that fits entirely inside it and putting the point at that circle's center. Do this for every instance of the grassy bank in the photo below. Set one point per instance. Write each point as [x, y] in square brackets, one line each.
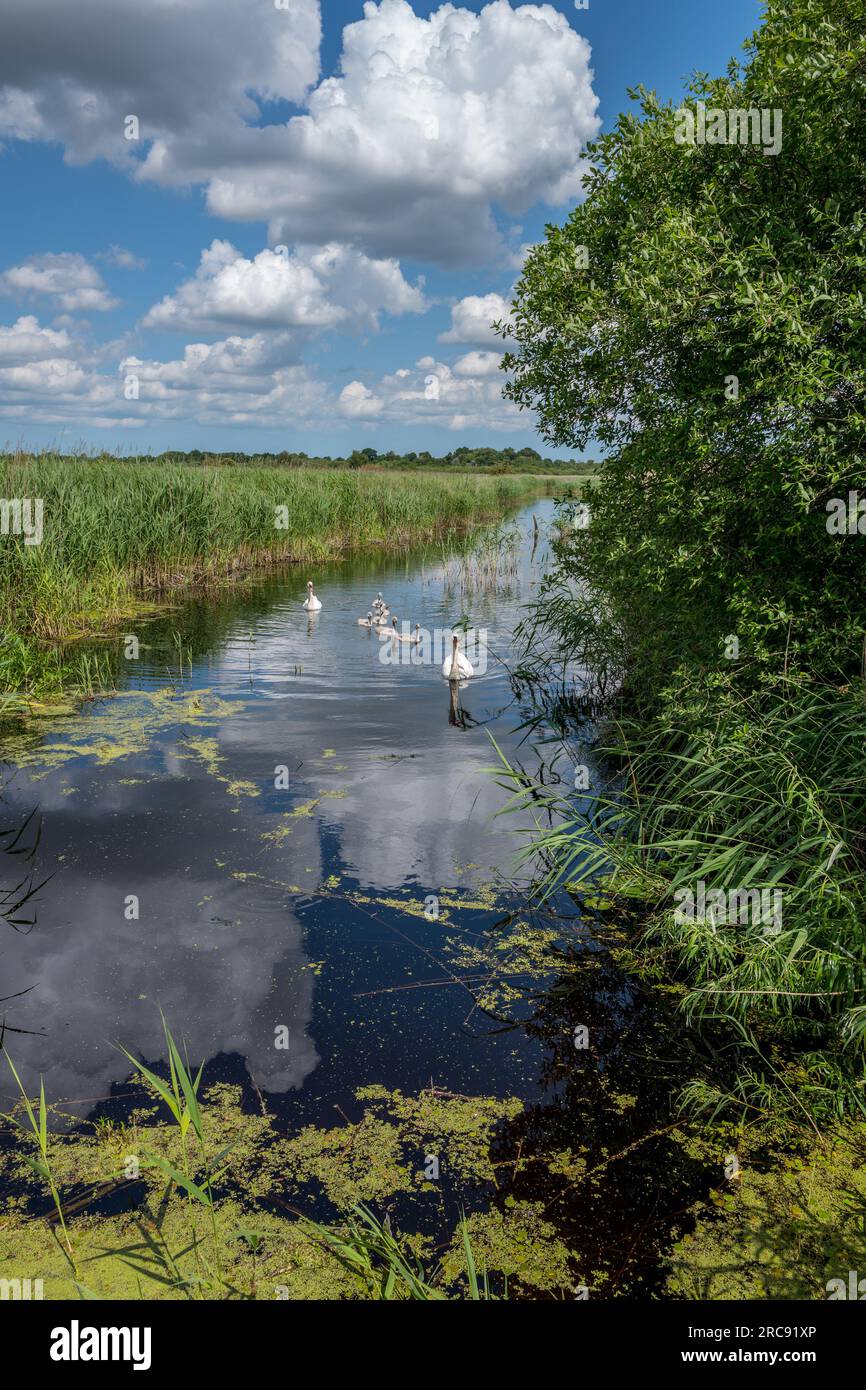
[117, 535]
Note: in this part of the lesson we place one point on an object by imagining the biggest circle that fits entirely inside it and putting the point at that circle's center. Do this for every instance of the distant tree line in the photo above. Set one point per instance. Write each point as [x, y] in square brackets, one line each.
[484, 460]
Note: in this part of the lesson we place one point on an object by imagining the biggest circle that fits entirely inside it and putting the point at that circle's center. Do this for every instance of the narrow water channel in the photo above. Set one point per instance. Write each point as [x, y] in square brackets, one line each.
[288, 843]
[303, 899]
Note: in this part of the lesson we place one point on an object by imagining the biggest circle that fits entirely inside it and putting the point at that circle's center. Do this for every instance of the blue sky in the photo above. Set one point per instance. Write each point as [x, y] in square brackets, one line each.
[305, 244]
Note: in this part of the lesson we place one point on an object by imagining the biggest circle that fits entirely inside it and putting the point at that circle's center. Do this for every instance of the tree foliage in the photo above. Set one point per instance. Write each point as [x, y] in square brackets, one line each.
[715, 344]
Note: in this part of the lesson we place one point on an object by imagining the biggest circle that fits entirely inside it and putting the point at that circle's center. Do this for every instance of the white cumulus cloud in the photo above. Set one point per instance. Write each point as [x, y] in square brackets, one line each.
[27, 341]
[238, 381]
[310, 287]
[478, 364]
[431, 124]
[467, 395]
[46, 377]
[64, 277]
[472, 319]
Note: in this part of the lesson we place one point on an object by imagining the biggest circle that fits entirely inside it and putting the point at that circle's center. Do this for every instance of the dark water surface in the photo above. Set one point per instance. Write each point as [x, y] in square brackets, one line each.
[260, 907]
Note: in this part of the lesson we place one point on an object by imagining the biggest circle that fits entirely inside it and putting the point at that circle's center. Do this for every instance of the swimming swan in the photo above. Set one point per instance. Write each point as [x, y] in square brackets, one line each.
[413, 637]
[456, 666]
[366, 622]
[311, 603]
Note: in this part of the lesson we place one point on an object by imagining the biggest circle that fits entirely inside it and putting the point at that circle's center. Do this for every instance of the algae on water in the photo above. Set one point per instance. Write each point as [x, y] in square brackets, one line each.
[123, 726]
[144, 1250]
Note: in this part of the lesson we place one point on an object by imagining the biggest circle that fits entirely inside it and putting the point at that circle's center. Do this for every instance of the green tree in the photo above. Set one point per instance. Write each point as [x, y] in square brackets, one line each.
[712, 338]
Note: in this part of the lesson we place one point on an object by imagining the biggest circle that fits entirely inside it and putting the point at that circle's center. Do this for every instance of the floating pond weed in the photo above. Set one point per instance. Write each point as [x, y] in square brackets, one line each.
[199, 1191]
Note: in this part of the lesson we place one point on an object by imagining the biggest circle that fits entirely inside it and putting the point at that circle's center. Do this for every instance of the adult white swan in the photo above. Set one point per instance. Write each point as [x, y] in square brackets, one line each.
[456, 666]
[311, 603]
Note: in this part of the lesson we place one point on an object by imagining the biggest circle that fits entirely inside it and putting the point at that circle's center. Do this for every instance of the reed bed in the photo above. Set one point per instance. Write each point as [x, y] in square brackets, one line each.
[488, 568]
[766, 806]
